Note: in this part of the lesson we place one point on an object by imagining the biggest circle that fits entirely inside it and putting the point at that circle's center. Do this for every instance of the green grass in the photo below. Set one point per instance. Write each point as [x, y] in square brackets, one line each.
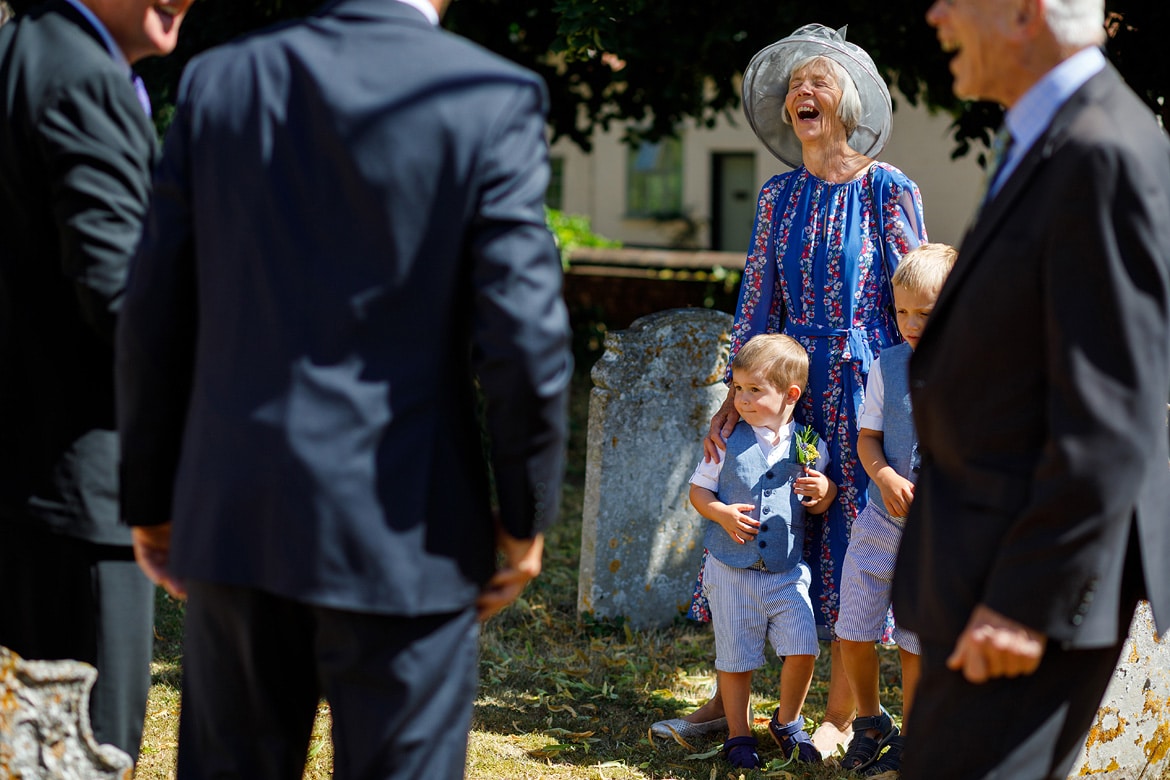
[561, 696]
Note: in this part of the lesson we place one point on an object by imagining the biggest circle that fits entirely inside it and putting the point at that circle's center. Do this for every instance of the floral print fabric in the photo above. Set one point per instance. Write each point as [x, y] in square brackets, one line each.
[818, 268]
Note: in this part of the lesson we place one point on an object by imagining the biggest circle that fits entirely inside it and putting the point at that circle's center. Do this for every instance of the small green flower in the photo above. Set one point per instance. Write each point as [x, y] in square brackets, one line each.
[806, 445]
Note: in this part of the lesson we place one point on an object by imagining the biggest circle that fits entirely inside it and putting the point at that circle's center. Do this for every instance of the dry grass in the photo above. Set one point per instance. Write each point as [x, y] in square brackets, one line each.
[561, 696]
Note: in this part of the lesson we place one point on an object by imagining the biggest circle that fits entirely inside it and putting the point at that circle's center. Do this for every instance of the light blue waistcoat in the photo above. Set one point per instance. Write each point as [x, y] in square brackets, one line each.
[746, 478]
[898, 437]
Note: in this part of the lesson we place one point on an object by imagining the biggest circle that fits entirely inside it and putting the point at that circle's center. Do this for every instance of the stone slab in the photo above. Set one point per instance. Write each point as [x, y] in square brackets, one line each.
[45, 732]
[655, 389]
[1130, 738]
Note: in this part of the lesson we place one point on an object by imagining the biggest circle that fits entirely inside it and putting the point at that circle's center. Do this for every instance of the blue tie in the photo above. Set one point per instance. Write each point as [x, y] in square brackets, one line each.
[140, 90]
[1000, 146]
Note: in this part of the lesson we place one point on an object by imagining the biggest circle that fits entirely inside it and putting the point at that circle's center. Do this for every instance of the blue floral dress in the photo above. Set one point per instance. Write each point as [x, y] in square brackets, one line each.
[818, 268]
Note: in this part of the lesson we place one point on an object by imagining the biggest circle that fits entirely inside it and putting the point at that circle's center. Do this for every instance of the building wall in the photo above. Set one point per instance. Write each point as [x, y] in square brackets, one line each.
[920, 145]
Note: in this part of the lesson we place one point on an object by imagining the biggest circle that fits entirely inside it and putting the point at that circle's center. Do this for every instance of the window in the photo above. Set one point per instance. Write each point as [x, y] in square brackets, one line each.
[554, 196]
[654, 180]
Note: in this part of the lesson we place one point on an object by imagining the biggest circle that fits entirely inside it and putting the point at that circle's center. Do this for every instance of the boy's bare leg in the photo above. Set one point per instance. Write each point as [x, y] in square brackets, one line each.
[795, 677]
[862, 669]
[736, 690]
[911, 671]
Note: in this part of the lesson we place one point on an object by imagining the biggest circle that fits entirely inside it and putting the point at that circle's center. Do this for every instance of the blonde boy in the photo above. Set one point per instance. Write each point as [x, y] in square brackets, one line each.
[755, 579]
[887, 446]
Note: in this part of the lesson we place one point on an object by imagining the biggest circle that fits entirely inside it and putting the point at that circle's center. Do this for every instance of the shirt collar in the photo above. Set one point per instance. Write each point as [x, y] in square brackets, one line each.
[774, 437]
[1032, 114]
[423, 6]
[107, 39]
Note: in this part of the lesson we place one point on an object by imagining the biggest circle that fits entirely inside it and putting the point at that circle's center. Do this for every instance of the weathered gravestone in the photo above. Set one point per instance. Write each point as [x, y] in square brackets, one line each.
[655, 390]
[1130, 739]
[44, 723]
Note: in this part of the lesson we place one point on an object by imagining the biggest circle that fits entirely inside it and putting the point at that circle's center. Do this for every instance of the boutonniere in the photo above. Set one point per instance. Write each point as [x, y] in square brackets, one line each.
[806, 445]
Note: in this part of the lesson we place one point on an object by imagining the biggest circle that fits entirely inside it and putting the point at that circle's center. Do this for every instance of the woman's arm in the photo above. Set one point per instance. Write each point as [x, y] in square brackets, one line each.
[722, 424]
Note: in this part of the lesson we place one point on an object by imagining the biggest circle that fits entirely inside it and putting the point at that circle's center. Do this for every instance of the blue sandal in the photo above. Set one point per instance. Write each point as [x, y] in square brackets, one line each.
[741, 752]
[792, 738]
[888, 761]
[863, 749]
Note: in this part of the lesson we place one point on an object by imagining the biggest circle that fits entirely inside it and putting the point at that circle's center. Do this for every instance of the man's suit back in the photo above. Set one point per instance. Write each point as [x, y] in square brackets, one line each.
[357, 223]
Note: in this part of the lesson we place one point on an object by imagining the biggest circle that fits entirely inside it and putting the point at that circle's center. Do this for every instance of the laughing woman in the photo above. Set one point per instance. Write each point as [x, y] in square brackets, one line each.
[827, 237]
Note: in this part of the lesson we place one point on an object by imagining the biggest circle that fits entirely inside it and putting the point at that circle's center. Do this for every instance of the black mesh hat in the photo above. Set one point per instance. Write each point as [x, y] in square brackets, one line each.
[765, 85]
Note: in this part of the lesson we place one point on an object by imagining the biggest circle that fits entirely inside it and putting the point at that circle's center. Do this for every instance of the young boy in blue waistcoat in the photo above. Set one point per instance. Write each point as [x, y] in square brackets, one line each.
[887, 446]
[756, 581]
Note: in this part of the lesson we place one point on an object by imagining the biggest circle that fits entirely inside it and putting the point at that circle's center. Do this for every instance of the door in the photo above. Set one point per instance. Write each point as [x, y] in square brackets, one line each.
[733, 210]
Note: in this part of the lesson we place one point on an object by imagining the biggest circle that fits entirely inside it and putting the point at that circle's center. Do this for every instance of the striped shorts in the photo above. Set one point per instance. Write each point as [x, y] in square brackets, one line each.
[750, 608]
[866, 578]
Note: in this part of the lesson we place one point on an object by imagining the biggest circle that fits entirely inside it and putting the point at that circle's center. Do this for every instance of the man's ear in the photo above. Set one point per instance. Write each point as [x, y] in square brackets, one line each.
[1030, 14]
[793, 394]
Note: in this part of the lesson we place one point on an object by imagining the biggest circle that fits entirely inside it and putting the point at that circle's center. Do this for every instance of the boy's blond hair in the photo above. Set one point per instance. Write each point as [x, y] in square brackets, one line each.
[778, 357]
[925, 268]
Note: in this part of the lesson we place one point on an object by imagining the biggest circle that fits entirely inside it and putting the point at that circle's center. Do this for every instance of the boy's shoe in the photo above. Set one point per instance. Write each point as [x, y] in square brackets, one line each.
[741, 752]
[863, 749]
[792, 738]
[889, 762]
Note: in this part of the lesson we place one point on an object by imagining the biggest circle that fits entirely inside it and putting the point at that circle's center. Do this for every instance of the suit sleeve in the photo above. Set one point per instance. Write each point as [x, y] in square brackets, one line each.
[1106, 375]
[156, 340]
[100, 149]
[520, 331]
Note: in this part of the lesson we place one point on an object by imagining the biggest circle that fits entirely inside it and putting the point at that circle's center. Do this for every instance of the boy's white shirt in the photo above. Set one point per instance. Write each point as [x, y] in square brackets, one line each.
[774, 445]
[870, 415]
[425, 8]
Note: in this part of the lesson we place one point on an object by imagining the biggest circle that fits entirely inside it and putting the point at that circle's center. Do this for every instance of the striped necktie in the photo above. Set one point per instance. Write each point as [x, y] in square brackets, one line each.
[1000, 146]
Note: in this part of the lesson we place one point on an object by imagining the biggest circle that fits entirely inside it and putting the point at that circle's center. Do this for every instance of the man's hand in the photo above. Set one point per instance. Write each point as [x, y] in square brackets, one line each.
[722, 424]
[522, 561]
[152, 550]
[995, 646]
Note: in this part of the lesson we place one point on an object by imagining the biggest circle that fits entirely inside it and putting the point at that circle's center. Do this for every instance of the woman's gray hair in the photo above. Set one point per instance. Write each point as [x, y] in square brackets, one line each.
[1076, 23]
[849, 108]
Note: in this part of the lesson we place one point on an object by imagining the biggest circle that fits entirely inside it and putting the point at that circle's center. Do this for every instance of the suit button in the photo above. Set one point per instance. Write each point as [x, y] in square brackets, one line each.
[770, 475]
[763, 527]
[1078, 619]
[763, 544]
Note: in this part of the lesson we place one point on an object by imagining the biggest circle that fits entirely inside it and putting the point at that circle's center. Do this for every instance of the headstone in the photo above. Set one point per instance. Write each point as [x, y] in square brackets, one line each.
[1130, 737]
[44, 723]
[656, 388]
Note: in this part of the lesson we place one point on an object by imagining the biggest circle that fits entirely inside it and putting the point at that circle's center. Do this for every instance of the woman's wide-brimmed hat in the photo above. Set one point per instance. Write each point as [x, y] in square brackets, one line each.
[765, 85]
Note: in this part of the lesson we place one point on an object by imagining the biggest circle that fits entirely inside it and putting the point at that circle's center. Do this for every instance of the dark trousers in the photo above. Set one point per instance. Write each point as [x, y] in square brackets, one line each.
[1023, 728]
[255, 666]
[64, 598]
[1030, 727]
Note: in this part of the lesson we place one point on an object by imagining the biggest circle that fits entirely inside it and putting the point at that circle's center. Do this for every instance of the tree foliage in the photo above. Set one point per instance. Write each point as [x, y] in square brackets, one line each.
[662, 64]
[652, 67]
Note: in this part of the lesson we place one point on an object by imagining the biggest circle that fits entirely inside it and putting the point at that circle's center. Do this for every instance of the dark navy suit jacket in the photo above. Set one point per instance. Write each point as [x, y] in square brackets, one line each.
[76, 152]
[1039, 390]
[347, 236]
